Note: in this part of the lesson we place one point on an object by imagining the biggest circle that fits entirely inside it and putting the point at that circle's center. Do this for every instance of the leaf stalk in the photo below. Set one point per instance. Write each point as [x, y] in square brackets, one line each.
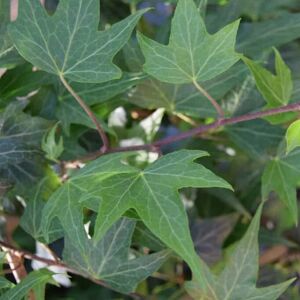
[90, 114]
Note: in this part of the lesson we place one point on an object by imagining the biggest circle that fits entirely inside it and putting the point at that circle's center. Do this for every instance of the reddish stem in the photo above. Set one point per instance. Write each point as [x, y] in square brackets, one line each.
[198, 130]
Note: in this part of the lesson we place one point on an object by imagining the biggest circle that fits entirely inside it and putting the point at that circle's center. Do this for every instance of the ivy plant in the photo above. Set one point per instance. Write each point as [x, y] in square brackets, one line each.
[149, 149]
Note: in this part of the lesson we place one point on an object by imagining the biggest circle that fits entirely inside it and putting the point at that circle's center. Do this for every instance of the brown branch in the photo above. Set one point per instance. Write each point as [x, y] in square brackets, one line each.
[197, 131]
[14, 260]
[49, 262]
[90, 114]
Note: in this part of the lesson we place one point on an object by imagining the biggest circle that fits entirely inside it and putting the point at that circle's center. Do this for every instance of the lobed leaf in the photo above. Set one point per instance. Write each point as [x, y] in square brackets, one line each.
[109, 259]
[192, 53]
[68, 43]
[238, 279]
[112, 188]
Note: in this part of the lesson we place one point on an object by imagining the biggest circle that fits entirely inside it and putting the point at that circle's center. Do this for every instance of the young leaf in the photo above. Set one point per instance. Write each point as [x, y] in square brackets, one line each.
[108, 259]
[237, 280]
[68, 43]
[151, 192]
[33, 280]
[276, 89]
[281, 175]
[192, 53]
[293, 136]
[50, 146]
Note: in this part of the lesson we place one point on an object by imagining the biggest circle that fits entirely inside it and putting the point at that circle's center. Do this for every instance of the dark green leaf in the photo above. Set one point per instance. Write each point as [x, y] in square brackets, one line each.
[109, 259]
[31, 281]
[20, 152]
[68, 43]
[151, 192]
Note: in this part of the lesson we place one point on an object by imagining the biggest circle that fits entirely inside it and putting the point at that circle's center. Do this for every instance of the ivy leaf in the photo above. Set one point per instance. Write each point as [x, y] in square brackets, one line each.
[69, 112]
[293, 136]
[97, 93]
[237, 280]
[68, 43]
[35, 202]
[192, 53]
[8, 55]
[257, 138]
[33, 280]
[51, 146]
[276, 89]
[152, 193]
[20, 152]
[281, 176]
[108, 259]
[185, 98]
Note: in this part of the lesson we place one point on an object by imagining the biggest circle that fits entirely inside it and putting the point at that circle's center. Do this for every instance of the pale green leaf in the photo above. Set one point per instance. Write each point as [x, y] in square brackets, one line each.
[51, 146]
[68, 43]
[152, 193]
[293, 136]
[192, 53]
[109, 259]
[276, 89]
[34, 279]
[281, 176]
[238, 279]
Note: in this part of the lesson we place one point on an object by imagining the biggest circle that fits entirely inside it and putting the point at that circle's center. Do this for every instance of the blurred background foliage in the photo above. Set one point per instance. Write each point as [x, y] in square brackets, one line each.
[31, 100]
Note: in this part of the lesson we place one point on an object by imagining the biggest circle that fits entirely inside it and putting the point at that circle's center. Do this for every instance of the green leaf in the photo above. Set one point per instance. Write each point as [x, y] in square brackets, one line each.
[68, 43]
[8, 55]
[70, 112]
[50, 146]
[276, 89]
[108, 259]
[237, 280]
[21, 159]
[186, 99]
[31, 220]
[98, 93]
[293, 136]
[21, 81]
[257, 138]
[152, 193]
[260, 36]
[192, 53]
[34, 279]
[281, 176]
